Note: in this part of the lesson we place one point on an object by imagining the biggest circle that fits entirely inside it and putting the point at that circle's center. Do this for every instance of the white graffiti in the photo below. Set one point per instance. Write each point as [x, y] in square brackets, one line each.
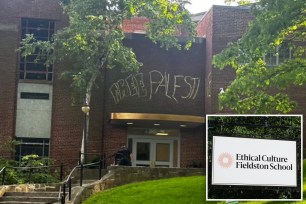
[175, 87]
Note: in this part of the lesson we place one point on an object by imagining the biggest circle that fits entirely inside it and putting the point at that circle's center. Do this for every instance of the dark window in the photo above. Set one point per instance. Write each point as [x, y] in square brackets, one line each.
[27, 146]
[31, 67]
[30, 95]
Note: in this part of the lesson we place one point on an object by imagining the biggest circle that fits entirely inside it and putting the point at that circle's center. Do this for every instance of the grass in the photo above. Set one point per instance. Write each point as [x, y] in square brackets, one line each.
[175, 190]
[185, 190]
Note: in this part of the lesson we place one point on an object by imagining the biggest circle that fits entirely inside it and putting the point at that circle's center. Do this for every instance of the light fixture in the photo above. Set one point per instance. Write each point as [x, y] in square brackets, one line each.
[183, 125]
[161, 134]
[85, 108]
[156, 124]
[129, 123]
[221, 91]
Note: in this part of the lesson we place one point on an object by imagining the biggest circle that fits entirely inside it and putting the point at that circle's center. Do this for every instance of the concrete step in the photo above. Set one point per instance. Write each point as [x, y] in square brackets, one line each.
[29, 197]
[21, 202]
[32, 194]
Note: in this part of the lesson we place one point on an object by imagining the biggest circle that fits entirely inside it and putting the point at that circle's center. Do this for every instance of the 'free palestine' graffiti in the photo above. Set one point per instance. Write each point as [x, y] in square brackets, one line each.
[174, 87]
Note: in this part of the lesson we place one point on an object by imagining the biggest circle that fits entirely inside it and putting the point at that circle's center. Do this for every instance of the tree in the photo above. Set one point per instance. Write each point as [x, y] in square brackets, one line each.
[260, 87]
[93, 38]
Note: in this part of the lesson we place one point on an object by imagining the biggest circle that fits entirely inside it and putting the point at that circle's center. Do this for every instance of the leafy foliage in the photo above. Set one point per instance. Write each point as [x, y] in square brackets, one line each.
[31, 169]
[258, 87]
[8, 145]
[93, 38]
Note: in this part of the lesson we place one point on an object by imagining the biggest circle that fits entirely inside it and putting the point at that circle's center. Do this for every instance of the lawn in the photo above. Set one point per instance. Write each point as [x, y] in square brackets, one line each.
[175, 190]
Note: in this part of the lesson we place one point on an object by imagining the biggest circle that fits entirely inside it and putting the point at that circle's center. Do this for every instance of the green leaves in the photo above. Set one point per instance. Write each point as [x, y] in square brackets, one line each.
[259, 88]
[93, 38]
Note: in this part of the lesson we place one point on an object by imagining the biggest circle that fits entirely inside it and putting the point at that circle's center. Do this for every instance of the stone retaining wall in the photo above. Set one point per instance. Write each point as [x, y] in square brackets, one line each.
[124, 175]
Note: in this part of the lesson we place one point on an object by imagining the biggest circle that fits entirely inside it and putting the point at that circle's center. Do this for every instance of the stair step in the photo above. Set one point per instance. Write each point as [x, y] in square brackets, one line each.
[32, 194]
[21, 202]
[28, 199]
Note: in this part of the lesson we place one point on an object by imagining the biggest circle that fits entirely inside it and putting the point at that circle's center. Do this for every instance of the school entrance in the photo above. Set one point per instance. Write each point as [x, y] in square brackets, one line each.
[154, 139]
[158, 150]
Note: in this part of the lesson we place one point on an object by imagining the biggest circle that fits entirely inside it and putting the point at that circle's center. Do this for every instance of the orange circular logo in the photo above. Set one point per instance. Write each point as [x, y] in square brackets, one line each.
[225, 160]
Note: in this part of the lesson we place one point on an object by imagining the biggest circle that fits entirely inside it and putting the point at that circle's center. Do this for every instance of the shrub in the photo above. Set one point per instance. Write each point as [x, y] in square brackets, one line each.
[24, 171]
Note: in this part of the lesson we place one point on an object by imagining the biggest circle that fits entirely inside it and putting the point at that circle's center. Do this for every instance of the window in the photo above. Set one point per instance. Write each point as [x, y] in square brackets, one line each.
[31, 95]
[279, 55]
[30, 67]
[26, 146]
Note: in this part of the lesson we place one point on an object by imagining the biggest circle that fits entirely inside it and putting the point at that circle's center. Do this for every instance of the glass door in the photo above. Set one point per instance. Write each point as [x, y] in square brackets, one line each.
[153, 153]
[143, 153]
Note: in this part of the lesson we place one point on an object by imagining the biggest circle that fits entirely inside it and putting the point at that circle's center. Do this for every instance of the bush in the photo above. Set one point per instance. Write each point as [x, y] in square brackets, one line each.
[25, 173]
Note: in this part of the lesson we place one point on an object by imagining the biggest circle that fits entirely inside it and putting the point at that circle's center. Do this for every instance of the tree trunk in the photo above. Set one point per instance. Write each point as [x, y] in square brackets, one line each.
[84, 145]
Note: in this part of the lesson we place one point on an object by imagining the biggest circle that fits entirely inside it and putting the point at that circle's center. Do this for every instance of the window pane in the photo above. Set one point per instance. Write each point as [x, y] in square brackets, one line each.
[37, 23]
[42, 30]
[35, 67]
[284, 52]
[143, 151]
[50, 77]
[36, 76]
[21, 75]
[270, 58]
[28, 146]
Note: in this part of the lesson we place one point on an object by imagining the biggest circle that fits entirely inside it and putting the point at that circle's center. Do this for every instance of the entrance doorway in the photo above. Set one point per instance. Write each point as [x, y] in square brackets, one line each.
[153, 150]
[153, 153]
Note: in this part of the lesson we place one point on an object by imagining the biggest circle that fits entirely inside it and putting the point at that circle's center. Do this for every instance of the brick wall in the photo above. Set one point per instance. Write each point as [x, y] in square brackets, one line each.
[193, 147]
[67, 119]
[11, 13]
[173, 81]
[220, 25]
[204, 29]
[8, 65]
[135, 25]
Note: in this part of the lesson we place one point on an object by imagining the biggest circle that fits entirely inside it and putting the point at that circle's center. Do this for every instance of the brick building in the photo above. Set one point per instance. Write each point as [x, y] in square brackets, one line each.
[158, 111]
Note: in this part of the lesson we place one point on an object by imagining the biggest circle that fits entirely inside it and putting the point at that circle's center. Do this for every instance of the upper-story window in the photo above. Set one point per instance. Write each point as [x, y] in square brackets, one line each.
[279, 55]
[30, 67]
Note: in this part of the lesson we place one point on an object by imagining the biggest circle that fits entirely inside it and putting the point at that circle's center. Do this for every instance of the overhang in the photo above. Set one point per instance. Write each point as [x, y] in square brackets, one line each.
[156, 119]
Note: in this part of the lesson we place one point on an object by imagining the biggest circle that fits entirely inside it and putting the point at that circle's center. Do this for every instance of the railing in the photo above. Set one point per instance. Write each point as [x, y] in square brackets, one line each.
[30, 170]
[68, 182]
[3, 175]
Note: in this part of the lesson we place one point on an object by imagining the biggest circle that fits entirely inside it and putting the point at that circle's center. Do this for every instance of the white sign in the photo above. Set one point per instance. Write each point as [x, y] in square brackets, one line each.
[256, 162]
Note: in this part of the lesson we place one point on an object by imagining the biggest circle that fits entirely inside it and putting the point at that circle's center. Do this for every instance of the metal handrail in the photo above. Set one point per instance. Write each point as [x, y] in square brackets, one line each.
[62, 193]
[33, 167]
[3, 175]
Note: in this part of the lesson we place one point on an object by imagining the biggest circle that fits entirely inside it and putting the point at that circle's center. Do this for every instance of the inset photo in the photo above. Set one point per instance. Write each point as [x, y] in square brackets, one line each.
[254, 157]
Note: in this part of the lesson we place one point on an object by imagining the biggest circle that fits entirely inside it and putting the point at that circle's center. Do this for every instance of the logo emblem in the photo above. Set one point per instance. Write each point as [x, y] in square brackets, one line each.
[225, 160]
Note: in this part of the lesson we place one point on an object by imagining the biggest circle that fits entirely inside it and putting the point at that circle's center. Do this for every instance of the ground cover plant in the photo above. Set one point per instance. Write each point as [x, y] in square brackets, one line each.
[174, 190]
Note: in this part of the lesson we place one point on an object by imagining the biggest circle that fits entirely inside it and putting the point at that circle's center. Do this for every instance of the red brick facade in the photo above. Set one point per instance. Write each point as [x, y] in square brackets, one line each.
[220, 25]
[11, 13]
[169, 82]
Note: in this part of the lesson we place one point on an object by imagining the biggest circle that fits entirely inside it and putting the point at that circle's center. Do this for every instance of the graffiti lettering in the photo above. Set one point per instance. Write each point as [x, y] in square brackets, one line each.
[176, 88]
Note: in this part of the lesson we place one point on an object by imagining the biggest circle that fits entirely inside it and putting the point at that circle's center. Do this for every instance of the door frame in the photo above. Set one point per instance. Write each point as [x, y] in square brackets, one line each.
[152, 160]
[155, 139]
